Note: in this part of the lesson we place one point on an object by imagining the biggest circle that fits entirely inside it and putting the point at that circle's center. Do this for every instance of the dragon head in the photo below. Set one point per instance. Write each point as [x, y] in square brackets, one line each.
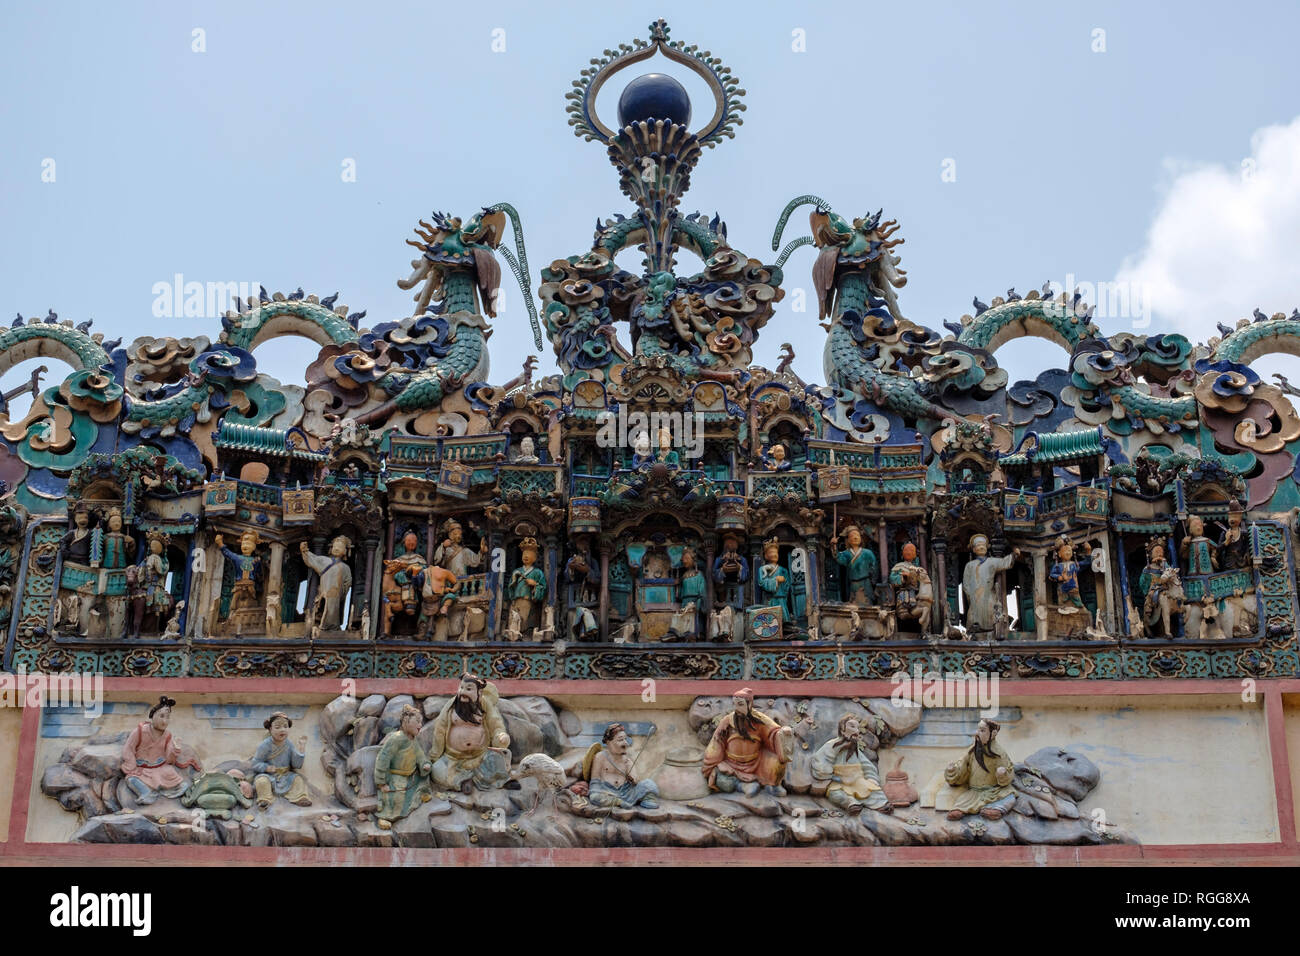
[865, 244]
[449, 244]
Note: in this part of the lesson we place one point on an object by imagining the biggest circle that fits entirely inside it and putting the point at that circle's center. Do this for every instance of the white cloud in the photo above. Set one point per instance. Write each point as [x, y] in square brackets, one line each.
[1225, 240]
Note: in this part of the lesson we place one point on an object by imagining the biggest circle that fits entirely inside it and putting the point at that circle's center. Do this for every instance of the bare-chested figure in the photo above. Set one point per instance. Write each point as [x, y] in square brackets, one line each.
[609, 774]
[470, 744]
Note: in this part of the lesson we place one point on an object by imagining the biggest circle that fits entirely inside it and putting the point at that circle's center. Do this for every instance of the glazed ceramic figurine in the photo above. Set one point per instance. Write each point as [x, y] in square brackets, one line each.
[774, 580]
[775, 458]
[984, 777]
[438, 596]
[454, 556]
[844, 765]
[277, 764]
[581, 569]
[119, 547]
[913, 593]
[401, 770]
[730, 567]
[152, 759]
[861, 566]
[1065, 572]
[608, 771]
[470, 746]
[748, 751]
[403, 582]
[77, 582]
[248, 571]
[980, 580]
[692, 593]
[527, 452]
[666, 453]
[335, 581]
[1152, 582]
[153, 576]
[641, 452]
[1234, 547]
[527, 588]
[1200, 554]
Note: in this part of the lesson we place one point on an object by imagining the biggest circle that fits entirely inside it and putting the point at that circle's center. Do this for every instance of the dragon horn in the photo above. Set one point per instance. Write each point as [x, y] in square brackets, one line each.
[520, 267]
[790, 207]
[790, 247]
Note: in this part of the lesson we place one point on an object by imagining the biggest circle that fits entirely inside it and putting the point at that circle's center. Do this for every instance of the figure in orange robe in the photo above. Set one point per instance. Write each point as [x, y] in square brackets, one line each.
[749, 750]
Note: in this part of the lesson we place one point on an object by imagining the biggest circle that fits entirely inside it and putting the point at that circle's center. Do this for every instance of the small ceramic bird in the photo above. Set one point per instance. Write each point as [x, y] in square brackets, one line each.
[546, 771]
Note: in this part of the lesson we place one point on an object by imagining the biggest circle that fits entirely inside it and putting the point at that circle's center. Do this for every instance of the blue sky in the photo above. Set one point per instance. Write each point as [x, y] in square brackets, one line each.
[226, 165]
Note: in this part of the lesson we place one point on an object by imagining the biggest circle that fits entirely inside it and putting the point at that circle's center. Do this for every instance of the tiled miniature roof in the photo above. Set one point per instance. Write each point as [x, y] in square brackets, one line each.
[1056, 447]
[262, 441]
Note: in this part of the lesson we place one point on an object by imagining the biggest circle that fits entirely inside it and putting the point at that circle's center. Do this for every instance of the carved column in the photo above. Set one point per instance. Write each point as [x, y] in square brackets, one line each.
[274, 574]
[1001, 631]
[1121, 564]
[205, 589]
[709, 557]
[1175, 560]
[185, 588]
[552, 584]
[1040, 594]
[1101, 585]
[367, 588]
[941, 582]
[376, 591]
[882, 549]
[811, 575]
[604, 591]
[495, 583]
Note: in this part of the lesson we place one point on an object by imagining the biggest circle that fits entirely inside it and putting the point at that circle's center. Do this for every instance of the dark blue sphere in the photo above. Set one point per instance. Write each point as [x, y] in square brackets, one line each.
[654, 96]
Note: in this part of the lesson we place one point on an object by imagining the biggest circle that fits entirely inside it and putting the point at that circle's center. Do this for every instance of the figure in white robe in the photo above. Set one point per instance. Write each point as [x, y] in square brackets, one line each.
[335, 582]
[980, 578]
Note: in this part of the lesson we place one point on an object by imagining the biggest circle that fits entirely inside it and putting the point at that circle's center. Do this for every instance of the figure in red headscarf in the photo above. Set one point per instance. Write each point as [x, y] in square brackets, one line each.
[749, 750]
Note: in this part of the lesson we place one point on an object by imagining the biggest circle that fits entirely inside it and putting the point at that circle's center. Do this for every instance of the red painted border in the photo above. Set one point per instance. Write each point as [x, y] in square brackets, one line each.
[20, 805]
[692, 688]
[1276, 721]
[1285, 852]
[1127, 855]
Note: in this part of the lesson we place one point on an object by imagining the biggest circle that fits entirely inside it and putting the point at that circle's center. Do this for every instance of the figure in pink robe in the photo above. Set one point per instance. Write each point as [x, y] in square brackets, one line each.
[152, 759]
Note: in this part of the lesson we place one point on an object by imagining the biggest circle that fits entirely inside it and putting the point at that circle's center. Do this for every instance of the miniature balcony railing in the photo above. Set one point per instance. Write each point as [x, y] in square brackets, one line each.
[1221, 585]
[587, 486]
[407, 453]
[472, 586]
[858, 457]
[258, 494]
[1084, 502]
[541, 480]
[779, 486]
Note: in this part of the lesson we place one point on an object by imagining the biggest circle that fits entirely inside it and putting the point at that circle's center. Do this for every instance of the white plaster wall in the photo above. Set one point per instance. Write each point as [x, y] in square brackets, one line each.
[1174, 770]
